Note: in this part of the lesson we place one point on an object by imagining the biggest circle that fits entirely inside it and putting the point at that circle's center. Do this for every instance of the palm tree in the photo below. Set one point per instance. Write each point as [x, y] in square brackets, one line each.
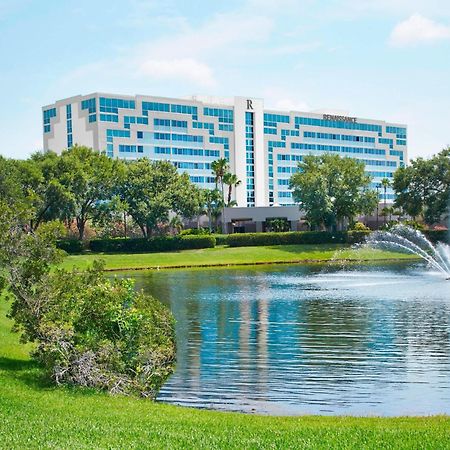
[176, 224]
[385, 183]
[212, 204]
[220, 168]
[230, 179]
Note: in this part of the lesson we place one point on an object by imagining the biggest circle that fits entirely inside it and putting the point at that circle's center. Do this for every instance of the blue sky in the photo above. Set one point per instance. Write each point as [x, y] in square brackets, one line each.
[381, 59]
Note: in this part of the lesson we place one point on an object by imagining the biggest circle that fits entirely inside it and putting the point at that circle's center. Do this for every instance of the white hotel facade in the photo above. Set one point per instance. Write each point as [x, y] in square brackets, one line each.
[263, 146]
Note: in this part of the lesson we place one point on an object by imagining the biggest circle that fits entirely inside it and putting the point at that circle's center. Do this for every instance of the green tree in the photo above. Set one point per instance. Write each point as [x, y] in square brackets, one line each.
[10, 188]
[41, 182]
[90, 178]
[231, 180]
[331, 190]
[385, 183]
[152, 190]
[423, 188]
[212, 205]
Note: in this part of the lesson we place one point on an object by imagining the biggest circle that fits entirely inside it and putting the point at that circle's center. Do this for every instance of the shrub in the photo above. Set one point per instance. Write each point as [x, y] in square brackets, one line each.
[70, 245]
[101, 333]
[277, 225]
[222, 239]
[195, 232]
[437, 235]
[295, 237]
[154, 244]
[357, 237]
[359, 226]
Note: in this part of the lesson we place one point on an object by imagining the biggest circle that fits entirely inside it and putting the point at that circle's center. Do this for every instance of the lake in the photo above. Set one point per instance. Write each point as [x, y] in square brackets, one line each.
[308, 339]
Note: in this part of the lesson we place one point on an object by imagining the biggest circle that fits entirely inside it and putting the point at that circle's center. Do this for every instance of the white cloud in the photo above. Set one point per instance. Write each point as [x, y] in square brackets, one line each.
[418, 29]
[280, 98]
[216, 35]
[186, 55]
[441, 7]
[186, 68]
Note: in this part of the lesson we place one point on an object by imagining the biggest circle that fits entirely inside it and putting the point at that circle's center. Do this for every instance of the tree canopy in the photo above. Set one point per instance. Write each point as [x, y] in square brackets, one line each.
[423, 187]
[153, 189]
[331, 189]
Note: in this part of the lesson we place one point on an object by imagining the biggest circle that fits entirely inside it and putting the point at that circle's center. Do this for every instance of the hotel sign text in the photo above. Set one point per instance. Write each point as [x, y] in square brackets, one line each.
[339, 118]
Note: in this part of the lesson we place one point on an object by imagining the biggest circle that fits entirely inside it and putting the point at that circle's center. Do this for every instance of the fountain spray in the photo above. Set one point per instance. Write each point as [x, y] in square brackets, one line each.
[409, 240]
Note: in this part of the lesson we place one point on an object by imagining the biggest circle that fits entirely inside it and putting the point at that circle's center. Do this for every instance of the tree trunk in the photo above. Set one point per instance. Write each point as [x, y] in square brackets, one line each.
[230, 187]
[209, 220]
[81, 223]
[142, 227]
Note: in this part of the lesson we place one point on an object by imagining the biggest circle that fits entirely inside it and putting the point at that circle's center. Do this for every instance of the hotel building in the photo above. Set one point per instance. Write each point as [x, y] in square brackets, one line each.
[263, 146]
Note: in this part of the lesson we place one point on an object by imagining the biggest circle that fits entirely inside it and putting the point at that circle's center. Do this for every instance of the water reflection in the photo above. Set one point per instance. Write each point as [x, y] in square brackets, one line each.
[296, 340]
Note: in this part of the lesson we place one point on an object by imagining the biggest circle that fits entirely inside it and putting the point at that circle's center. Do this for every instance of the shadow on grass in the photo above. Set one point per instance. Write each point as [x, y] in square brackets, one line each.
[33, 375]
[16, 365]
[27, 371]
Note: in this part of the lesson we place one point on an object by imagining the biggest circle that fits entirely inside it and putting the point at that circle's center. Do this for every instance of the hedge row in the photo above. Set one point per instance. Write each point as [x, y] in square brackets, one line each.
[222, 239]
[139, 245]
[296, 237]
[71, 245]
[172, 243]
[154, 244]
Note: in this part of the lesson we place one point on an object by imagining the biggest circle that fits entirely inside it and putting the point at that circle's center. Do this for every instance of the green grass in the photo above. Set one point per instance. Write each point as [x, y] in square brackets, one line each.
[34, 414]
[232, 256]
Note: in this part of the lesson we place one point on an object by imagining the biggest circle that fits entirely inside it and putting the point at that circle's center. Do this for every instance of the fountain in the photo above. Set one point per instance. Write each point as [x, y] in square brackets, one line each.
[407, 239]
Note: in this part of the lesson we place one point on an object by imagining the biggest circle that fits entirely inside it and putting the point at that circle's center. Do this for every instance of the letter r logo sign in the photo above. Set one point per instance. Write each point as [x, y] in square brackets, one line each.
[249, 104]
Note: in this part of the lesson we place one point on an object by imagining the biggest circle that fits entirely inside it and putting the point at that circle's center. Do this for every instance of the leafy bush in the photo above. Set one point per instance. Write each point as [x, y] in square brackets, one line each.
[359, 226]
[70, 245]
[277, 225]
[154, 244]
[100, 333]
[295, 237]
[357, 237]
[414, 224]
[195, 232]
[222, 239]
[437, 235]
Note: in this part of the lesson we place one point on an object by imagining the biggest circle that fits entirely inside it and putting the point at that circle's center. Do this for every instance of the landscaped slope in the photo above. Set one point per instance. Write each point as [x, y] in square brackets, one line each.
[234, 256]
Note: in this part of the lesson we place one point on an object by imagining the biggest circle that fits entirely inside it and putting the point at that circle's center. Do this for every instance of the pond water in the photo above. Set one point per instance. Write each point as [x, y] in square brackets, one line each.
[291, 340]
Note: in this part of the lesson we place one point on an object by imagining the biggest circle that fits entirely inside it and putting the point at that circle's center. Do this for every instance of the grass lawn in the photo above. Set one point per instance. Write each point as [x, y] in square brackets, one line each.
[36, 415]
[233, 256]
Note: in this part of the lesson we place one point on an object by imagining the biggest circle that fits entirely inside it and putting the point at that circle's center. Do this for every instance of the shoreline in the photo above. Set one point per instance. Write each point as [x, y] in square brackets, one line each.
[260, 263]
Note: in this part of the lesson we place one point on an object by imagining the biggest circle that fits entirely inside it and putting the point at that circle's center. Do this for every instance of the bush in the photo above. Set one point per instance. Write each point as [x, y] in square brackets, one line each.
[101, 333]
[222, 239]
[437, 235]
[296, 237]
[154, 244]
[357, 237]
[359, 226]
[70, 245]
[277, 225]
[195, 232]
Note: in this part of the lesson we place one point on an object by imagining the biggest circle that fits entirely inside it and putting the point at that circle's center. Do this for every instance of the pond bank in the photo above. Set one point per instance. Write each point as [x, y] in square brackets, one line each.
[236, 256]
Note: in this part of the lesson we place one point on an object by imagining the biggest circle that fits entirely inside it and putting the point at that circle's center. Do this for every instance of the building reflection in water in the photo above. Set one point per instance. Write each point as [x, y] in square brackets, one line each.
[293, 340]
